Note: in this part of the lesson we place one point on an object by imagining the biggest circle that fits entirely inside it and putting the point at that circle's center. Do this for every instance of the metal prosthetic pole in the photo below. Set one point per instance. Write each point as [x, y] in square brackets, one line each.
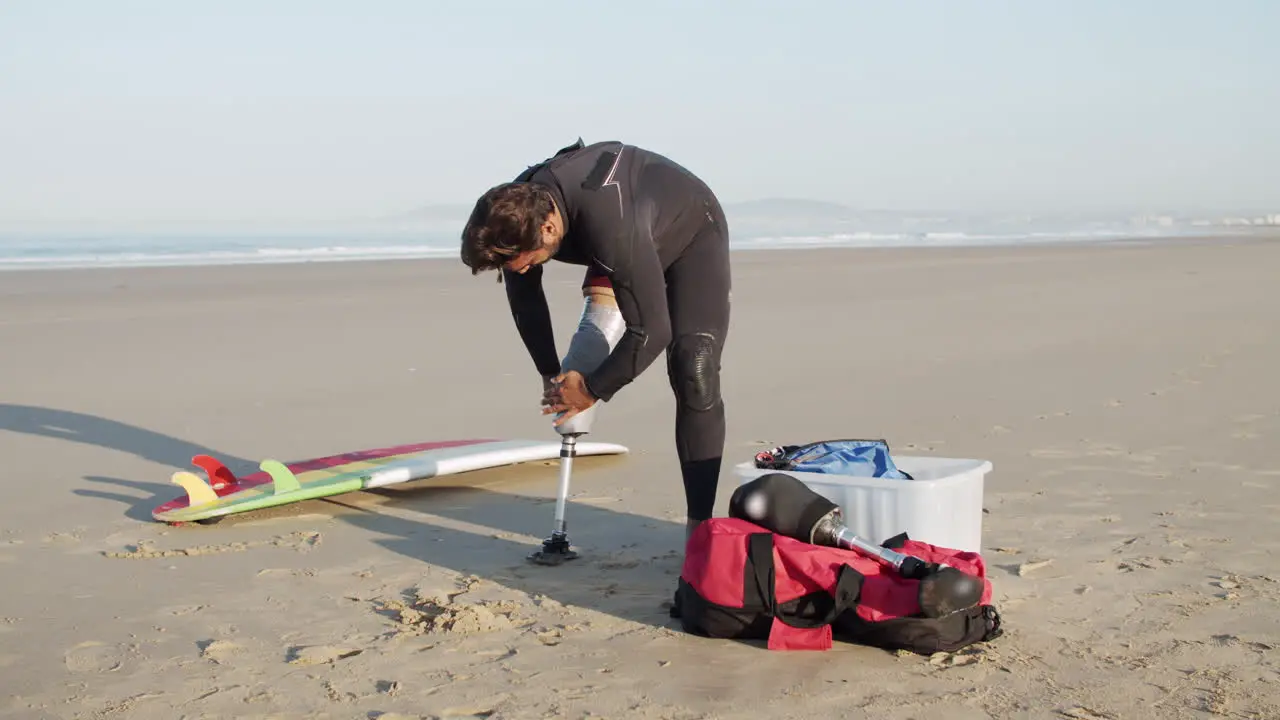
[832, 531]
[599, 330]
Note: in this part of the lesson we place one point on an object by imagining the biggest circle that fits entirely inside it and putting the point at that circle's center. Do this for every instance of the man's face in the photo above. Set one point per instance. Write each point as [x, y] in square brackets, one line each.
[525, 260]
[550, 244]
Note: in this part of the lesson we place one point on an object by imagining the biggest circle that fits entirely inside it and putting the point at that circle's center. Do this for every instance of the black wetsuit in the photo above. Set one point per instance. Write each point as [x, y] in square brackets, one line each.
[659, 235]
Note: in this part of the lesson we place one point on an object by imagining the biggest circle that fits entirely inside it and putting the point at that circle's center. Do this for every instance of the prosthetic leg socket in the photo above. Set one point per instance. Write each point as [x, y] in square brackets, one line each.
[599, 329]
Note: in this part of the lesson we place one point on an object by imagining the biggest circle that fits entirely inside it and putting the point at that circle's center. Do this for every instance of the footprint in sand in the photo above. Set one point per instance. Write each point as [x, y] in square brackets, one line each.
[1144, 563]
[320, 654]
[387, 687]
[96, 657]
[186, 609]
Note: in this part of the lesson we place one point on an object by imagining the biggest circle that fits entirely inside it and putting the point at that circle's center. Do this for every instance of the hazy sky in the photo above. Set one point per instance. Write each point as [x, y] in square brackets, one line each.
[199, 111]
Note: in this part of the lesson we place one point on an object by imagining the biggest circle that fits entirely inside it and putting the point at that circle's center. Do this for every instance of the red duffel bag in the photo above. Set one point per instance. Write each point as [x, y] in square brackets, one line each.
[740, 581]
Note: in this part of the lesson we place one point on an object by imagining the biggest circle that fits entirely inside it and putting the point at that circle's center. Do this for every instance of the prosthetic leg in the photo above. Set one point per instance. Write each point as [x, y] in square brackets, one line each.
[784, 505]
[599, 329]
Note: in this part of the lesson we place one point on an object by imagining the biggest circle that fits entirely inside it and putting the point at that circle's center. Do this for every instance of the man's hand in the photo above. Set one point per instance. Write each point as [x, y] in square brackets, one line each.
[569, 395]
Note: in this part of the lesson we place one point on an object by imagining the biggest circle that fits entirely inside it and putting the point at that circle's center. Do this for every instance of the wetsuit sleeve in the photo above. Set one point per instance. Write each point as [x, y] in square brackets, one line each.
[532, 316]
[621, 242]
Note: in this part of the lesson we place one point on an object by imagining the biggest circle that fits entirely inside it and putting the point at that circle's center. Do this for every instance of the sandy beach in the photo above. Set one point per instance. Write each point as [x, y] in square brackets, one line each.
[1126, 394]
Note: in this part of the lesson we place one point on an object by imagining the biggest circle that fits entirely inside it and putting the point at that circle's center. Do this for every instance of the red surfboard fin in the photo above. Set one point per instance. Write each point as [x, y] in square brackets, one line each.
[220, 476]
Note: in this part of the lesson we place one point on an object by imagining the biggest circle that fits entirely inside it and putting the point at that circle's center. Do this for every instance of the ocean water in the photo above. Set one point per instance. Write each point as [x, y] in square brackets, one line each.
[32, 251]
[46, 250]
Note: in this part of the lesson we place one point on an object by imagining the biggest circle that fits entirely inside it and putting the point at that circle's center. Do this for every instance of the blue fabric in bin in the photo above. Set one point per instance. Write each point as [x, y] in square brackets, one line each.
[859, 458]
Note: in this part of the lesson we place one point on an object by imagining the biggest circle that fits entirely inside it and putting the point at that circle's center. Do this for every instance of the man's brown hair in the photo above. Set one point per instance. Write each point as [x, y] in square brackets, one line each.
[505, 222]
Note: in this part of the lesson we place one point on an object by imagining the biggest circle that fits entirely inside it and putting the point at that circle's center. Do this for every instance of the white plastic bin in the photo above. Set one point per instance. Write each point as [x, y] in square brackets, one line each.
[942, 505]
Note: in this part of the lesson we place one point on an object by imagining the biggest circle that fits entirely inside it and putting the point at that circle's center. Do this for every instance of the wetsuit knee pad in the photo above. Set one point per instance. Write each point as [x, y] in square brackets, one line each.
[695, 370]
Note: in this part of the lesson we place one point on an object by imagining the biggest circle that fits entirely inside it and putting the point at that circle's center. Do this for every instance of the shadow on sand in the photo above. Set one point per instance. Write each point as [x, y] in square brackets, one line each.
[97, 431]
[628, 564]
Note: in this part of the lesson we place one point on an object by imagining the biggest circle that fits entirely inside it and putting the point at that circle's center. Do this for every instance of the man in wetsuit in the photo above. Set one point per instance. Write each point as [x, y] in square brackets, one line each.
[655, 235]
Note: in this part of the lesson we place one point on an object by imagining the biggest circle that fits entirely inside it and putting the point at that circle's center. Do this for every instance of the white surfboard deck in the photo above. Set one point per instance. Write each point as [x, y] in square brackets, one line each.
[451, 461]
[278, 484]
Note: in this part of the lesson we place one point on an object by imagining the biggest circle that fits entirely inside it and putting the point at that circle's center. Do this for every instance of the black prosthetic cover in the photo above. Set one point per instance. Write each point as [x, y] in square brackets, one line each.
[782, 504]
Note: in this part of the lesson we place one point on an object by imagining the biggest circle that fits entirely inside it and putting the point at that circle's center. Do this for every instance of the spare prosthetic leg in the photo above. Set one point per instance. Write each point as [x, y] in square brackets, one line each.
[599, 330]
[784, 505]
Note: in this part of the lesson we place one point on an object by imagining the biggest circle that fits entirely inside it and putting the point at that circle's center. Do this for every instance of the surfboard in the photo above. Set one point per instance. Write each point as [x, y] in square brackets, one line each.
[219, 492]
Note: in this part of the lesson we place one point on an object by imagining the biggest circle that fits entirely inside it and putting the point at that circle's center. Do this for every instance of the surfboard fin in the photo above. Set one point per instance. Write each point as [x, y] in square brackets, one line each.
[220, 476]
[198, 491]
[282, 478]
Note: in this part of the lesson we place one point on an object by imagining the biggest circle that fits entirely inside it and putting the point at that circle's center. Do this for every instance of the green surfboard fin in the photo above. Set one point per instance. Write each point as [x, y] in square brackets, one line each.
[282, 478]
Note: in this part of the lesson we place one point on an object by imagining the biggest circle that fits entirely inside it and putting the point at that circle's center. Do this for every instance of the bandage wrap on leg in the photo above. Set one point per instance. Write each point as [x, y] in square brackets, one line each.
[599, 329]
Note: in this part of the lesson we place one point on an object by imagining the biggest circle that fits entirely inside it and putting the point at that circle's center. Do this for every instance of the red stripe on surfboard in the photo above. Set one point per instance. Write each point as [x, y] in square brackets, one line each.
[262, 478]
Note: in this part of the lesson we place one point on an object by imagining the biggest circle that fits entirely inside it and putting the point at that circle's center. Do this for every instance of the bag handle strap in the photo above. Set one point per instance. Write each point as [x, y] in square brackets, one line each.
[788, 631]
